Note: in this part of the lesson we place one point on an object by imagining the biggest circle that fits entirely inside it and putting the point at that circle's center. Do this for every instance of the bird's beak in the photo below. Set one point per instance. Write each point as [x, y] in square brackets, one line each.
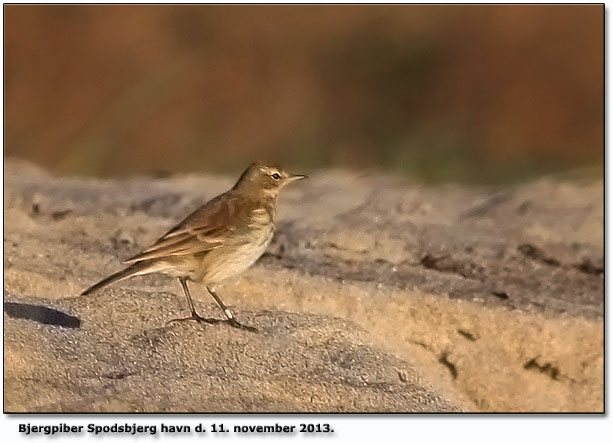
[297, 177]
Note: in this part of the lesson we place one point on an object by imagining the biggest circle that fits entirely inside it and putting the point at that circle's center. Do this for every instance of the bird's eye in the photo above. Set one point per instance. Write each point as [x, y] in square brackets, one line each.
[276, 176]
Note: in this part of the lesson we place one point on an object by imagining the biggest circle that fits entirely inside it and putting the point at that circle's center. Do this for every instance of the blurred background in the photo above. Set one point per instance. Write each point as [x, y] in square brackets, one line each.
[472, 93]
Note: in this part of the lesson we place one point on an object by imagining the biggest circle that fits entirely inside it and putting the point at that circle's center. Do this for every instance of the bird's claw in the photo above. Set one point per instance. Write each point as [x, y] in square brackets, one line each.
[196, 317]
[199, 319]
[238, 325]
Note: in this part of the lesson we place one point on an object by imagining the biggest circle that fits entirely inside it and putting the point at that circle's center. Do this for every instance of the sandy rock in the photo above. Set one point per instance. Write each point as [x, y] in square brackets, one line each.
[375, 295]
[117, 353]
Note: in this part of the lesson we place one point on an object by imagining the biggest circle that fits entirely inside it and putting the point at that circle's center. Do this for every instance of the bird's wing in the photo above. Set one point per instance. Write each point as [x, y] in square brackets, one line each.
[204, 229]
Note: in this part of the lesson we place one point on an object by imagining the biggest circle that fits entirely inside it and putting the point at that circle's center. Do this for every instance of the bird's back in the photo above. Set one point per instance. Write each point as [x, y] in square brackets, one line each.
[229, 219]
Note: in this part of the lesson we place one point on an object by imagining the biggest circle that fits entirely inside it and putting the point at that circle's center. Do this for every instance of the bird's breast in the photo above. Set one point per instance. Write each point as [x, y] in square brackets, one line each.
[237, 254]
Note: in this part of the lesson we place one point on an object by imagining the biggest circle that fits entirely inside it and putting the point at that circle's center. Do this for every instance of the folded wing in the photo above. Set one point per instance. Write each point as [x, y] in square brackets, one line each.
[205, 229]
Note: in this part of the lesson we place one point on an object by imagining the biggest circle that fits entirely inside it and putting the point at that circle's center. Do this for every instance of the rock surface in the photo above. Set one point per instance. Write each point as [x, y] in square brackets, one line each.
[128, 359]
[375, 295]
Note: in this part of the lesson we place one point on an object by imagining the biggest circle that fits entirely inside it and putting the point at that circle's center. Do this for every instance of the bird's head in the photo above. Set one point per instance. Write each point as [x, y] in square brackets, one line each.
[266, 179]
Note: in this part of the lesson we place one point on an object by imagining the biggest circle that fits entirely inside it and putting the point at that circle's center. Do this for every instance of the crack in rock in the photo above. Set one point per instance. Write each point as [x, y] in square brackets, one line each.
[445, 361]
[537, 254]
[548, 369]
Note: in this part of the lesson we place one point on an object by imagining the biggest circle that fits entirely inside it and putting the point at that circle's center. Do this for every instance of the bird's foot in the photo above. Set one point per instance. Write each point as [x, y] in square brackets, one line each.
[196, 317]
[238, 325]
[199, 319]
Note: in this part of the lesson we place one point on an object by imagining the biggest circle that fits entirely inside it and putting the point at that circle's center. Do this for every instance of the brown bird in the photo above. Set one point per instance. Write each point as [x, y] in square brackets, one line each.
[218, 240]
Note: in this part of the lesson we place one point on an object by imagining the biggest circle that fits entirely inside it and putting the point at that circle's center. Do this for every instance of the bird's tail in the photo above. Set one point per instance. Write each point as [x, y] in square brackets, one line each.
[136, 269]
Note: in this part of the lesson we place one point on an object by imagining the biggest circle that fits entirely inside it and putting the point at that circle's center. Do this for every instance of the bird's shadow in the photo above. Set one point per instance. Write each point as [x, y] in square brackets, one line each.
[41, 314]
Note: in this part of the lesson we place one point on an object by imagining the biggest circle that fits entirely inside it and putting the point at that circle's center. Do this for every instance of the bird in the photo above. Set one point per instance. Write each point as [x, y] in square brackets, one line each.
[219, 240]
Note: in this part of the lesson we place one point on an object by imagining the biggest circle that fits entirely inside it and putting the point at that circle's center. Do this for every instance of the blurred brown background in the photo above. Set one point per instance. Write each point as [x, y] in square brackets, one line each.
[477, 93]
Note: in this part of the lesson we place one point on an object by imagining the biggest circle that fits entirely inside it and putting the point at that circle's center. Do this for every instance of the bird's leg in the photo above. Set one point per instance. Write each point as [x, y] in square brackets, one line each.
[192, 309]
[228, 313]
